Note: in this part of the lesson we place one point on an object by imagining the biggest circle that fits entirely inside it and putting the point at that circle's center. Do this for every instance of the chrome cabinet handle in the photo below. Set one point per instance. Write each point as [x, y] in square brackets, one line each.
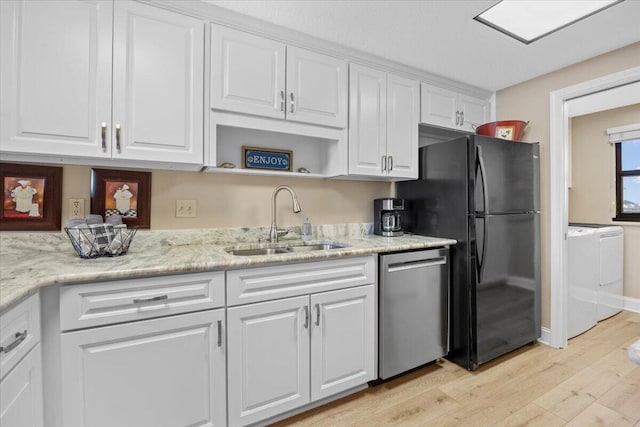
[390, 159]
[293, 102]
[306, 316]
[461, 118]
[457, 118]
[317, 314]
[103, 136]
[219, 333]
[19, 337]
[384, 163]
[118, 138]
[282, 100]
[152, 299]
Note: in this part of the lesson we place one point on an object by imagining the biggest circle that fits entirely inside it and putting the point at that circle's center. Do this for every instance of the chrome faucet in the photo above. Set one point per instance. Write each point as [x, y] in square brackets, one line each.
[275, 233]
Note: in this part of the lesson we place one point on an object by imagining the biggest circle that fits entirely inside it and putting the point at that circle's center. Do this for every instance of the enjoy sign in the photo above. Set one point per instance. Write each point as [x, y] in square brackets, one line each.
[261, 158]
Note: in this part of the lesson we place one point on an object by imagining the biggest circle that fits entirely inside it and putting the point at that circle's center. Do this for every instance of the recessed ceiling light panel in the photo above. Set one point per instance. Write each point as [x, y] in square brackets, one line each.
[529, 20]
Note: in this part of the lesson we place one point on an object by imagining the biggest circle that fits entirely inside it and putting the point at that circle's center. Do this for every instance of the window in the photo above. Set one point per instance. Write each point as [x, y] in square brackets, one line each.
[628, 180]
[627, 148]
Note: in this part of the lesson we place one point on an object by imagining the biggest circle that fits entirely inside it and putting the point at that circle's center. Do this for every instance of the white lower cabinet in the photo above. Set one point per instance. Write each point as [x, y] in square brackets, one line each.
[21, 365]
[21, 393]
[162, 372]
[285, 353]
[268, 359]
[342, 340]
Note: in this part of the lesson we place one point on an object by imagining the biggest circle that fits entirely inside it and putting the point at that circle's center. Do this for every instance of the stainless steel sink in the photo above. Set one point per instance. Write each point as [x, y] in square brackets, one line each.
[284, 249]
[258, 251]
[315, 247]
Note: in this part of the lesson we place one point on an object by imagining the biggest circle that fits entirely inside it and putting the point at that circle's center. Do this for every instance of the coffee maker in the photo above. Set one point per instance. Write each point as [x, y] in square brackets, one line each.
[386, 217]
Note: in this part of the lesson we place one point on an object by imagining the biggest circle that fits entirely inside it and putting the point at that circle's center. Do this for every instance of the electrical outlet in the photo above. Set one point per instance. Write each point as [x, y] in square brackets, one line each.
[76, 208]
[185, 208]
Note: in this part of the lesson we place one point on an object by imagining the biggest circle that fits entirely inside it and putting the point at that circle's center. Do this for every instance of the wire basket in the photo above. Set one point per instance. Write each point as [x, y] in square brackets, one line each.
[98, 240]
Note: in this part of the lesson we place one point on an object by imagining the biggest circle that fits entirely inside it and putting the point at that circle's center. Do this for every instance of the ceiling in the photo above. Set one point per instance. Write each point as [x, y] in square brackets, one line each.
[441, 36]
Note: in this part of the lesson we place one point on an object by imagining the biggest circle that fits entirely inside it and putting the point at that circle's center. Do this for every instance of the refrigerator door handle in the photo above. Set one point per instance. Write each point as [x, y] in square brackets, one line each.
[485, 223]
[483, 176]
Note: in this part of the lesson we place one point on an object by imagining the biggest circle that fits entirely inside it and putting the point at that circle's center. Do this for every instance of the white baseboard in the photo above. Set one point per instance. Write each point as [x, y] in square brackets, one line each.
[545, 336]
[631, 304]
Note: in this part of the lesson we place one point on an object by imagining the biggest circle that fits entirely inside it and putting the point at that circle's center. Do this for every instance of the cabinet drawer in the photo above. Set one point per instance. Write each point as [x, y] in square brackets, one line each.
[96, 304]
[266, 283]
[19, 332]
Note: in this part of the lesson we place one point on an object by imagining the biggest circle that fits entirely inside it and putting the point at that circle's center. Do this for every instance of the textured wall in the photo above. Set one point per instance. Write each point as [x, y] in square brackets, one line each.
[239, 200]
[530, 101]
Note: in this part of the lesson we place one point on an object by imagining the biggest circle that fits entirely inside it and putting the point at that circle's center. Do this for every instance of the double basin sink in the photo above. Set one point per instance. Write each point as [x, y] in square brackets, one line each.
[285, 248]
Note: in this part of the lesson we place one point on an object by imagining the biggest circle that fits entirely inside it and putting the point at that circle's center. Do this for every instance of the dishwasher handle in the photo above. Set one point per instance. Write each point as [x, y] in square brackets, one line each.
[402, 266]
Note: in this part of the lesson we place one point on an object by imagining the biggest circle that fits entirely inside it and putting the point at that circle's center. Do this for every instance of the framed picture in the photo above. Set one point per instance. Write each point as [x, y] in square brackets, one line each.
[31, 197]
[127, 193]
[267, 158]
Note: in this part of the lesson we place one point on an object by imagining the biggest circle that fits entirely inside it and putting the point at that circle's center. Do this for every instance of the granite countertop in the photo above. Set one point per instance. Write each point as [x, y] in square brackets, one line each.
[29, 261]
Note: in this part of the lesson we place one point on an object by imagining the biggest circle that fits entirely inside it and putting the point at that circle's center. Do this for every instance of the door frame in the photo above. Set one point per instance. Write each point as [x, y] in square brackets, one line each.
[559, 139]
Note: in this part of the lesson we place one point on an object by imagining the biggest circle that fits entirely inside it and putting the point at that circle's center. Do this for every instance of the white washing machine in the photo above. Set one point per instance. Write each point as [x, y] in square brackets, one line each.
[584, 271]
[610, 268]
[610, 299]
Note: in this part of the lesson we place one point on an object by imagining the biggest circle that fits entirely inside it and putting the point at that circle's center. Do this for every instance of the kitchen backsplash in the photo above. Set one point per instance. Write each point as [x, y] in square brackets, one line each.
[241, 201]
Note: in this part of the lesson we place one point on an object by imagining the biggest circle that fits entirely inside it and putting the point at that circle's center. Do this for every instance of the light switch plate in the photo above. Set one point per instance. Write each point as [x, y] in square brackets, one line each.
[185, 208]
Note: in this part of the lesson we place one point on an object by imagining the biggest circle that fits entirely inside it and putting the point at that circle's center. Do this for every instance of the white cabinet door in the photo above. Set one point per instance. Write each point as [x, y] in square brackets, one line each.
[163, 372]
[342, 340]
[21, 393]
[56, 77]
[158, 84]
[475, 112]
[403, 117]
[268, 359]
[438, 106]
[316, 88]
[367, 121]
[446, 108]
[247, 73]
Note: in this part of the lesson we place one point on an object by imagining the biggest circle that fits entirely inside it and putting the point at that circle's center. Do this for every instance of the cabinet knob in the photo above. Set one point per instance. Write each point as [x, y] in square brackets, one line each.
[118, 138]
[103, 136]
[306, 317]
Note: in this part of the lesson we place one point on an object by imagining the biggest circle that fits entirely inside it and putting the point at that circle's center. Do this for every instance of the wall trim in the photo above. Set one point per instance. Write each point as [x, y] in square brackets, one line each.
[545, 336]
[559, 195]
[631, 304]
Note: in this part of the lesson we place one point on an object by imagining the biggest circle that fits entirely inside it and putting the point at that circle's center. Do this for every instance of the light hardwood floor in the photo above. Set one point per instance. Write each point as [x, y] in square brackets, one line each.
[590, 383]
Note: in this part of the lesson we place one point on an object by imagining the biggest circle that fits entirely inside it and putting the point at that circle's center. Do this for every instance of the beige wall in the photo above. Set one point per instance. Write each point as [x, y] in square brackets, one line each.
[593, 189]
[530, 101]
[241, 201]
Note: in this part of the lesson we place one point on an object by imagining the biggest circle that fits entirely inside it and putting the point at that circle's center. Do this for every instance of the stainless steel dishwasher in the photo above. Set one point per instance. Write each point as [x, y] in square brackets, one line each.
[413, 323]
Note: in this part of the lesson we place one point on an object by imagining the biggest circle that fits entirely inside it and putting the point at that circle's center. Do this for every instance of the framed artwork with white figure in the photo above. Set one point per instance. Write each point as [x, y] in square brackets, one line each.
[31, 197]
[127, 193]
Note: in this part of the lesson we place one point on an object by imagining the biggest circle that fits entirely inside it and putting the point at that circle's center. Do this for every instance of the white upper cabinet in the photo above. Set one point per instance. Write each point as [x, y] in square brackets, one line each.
[383, 124]
[403, 115]
[62, 78]
[56, 77]
[446, 108]
[158, 84]
[258, 76]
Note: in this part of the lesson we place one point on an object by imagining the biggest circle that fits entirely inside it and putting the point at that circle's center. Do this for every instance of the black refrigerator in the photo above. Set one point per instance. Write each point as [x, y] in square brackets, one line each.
[483, 192]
